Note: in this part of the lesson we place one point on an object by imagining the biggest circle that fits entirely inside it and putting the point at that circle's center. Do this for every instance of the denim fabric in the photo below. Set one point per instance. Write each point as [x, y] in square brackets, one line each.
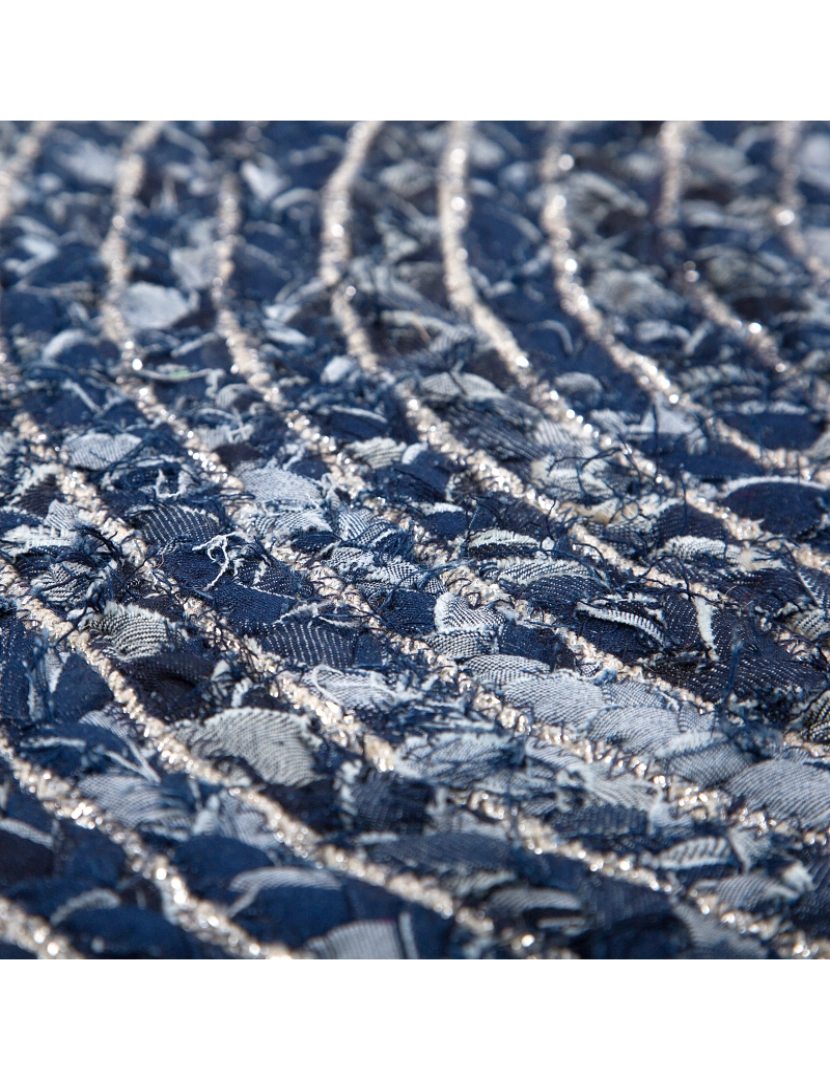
[575, 705]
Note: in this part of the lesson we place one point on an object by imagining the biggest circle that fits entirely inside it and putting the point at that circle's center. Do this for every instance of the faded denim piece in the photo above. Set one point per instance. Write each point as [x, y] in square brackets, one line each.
[413, 540]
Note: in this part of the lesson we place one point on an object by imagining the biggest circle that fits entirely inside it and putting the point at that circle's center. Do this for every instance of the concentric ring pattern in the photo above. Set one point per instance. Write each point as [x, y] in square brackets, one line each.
[414, 540]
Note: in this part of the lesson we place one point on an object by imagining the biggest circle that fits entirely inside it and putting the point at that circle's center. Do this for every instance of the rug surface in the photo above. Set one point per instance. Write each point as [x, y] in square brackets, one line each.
[413, 540]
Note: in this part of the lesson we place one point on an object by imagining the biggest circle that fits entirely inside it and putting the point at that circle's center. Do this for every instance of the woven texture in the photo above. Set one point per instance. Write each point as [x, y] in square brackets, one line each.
[413, 540]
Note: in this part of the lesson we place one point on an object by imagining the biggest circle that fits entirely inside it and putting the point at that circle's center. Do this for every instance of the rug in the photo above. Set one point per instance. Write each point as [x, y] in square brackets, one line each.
[414, 540]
